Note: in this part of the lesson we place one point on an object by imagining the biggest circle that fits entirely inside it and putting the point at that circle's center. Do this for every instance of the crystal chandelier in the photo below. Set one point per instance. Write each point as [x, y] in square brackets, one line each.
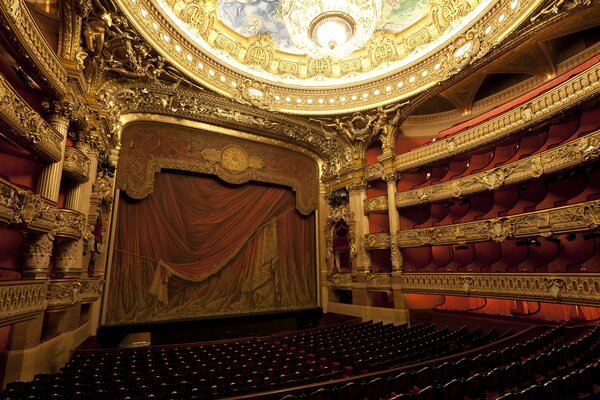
[330, 27]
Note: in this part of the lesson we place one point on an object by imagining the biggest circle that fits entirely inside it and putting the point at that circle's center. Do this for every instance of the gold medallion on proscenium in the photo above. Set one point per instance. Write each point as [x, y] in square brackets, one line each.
[234, 159]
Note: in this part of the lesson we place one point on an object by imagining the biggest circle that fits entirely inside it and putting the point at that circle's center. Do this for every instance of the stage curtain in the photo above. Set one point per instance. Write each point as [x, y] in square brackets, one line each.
[204, 247]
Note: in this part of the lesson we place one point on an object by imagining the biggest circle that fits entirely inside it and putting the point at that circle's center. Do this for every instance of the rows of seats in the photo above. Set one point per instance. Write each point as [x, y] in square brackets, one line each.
[576, 186]
[228, 368]
[515, 148]
[565, 253]
[527, 370]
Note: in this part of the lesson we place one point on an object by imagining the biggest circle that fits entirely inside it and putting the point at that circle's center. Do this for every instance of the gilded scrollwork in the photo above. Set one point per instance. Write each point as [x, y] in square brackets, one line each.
[21, 300]
[377, 241]
[70, 224]
[30, 211]
[564, 288]
[26, 126]
[91, 289]
[341, 280]
[576, 217]
[76, 165]
[19, 26]
[63, 293]
[565, 156]
[379, 281]
[376, 204]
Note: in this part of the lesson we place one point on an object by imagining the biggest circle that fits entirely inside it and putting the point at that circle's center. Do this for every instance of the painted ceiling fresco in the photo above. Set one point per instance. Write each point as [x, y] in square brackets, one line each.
[253, 17]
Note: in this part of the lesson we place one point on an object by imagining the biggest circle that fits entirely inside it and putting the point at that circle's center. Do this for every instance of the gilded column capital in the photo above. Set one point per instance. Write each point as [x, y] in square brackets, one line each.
[389, 176]
[357, 186]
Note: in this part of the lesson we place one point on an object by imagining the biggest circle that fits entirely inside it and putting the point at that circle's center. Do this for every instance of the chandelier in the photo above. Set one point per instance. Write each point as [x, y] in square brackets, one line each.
[330, 27]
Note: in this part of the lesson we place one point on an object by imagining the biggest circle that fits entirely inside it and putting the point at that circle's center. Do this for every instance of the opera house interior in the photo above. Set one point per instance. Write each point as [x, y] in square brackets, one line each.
[363, 199]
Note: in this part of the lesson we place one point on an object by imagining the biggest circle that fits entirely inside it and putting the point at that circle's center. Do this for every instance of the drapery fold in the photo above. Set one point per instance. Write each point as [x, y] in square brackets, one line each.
[198, 246]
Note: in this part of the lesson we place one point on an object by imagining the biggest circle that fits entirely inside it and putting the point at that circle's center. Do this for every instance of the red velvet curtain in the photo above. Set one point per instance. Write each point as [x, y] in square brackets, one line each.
[197, 246]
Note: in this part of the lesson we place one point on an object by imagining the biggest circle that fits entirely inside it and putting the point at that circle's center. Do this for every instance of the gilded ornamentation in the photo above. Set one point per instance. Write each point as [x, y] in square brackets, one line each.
[255, 93]
[76, 165]
[26, 126]
[65, 256]
[70, 224]
[260, 52]
[21, 300]
[379, 281]
[582, 216]
[376, 204]
[377, 241]
[341, 213]
[199, 14]
[381, 49]
[63, 294]
[556, 286]
[397, 259]
[341, 280]
[372, 172]
[559, 158]
[37, 255]
[21, 207]
[233, 158]
[559, 6]
[91, 289]
[19, 26]
[500, 229]
[544, 107]
[357, 186]
[320, 67]
[564, 288]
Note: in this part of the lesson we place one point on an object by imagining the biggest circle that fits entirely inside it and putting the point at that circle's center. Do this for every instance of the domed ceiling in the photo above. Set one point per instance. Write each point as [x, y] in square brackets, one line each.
[246, 49]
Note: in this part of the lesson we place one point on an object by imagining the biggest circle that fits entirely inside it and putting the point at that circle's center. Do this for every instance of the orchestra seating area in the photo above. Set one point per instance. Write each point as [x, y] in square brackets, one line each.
[353, 360]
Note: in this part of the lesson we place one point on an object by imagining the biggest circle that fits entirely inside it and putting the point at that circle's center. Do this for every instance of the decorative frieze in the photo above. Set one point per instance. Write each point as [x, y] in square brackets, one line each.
[341, 281]
[542, 108]
[376, 204]
[26, 127]
[379, 281]
[559, 158]
[582, 216]
[372, 172]
[19, 26]
[564, 288]
[70, 224]
[21, 300]
[20, 207]
[63, 294]
[91, 289]
[76, 165]
[377, 241]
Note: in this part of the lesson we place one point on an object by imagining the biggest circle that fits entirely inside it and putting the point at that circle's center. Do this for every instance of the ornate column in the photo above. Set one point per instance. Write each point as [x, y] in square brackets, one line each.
[389, 177]
[69, 253]
[361, 262]
[39, 249]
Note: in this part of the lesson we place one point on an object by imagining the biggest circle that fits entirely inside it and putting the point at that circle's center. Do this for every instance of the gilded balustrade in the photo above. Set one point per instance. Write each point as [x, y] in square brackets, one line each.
[376, 204]
[577, 217]
[564, 288]
[76, 165]
[21, 300]
[26, 127]
[23, 208]
[566, 156]
[377, 241]
[70, 224]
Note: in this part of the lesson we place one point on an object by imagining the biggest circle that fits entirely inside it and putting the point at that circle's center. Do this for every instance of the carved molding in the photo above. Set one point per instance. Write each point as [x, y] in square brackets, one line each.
[63, 294]
[559, 158]
[20, 207]
[76, 165]
[149, 147]
[70, 224]
[91, 289]
[26, 127]
[341, 280]
[377, 241]
[550, 103]
[563, 288]
[582, 216]
[376, 204]
[374, 171]
[18, 24]
[379, 281]
[21, 300]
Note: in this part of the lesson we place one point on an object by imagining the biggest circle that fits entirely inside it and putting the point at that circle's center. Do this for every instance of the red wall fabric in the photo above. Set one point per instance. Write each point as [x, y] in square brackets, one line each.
[224, 249]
